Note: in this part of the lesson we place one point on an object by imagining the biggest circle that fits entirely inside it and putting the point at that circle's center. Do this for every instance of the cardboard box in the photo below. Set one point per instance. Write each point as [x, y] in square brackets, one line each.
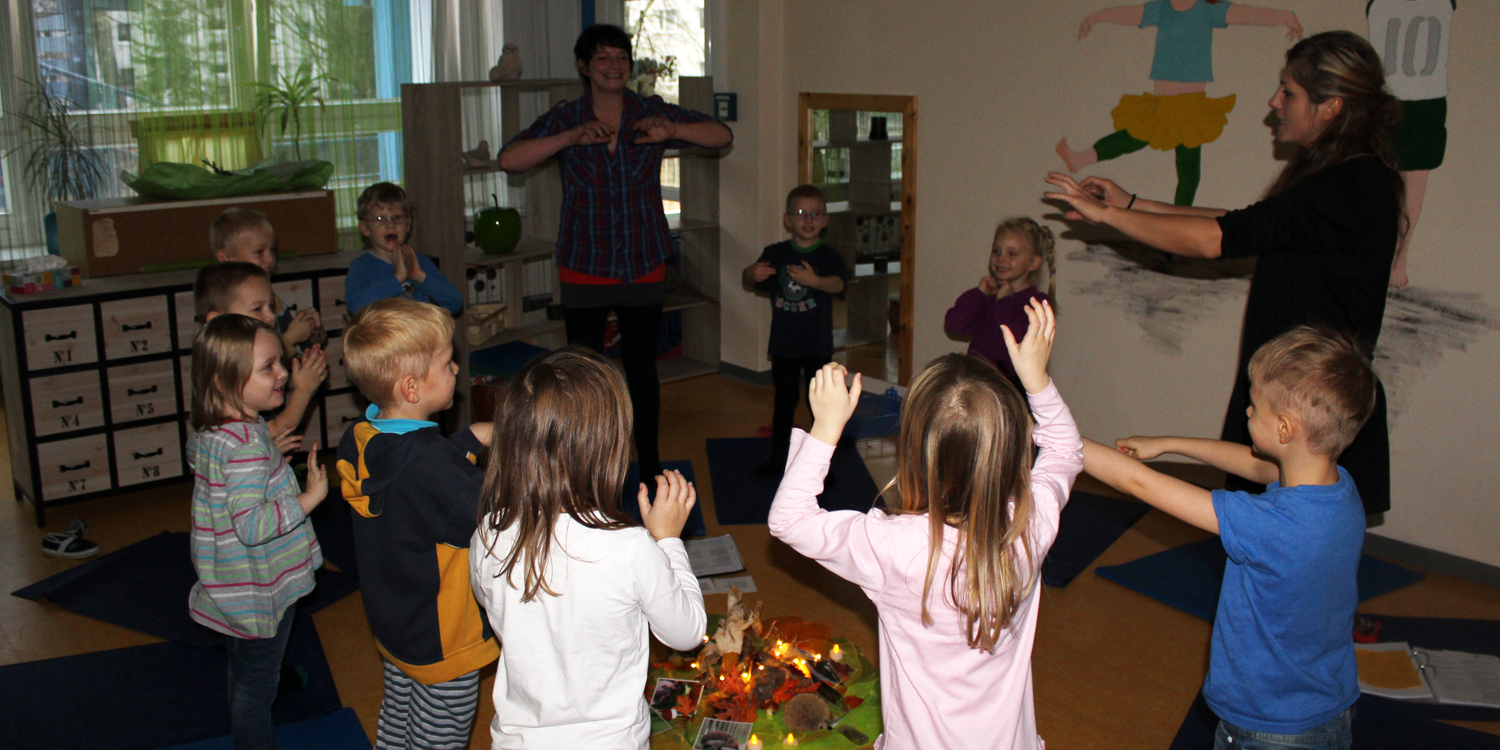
[118, 236]
[46, 281]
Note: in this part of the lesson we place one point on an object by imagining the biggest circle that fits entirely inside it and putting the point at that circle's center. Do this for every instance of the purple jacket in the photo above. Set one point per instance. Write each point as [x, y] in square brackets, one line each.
[979, 316]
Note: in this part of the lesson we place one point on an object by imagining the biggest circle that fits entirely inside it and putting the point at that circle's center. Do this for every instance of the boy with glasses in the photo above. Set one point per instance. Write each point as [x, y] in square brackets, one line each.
[391, 268]
[802, 275]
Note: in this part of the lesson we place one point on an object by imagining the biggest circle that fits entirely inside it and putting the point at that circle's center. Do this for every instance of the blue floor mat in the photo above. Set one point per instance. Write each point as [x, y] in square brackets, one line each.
[146, 697]
[1090, 524]
[1383, 725]
[145, 587]
[694, 526]
[1189, 576]
[740, 497]
[339, 730]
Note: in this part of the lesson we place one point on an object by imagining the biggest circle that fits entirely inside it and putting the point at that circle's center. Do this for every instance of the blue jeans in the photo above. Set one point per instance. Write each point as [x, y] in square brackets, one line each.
[1335, 734]
[254, 674]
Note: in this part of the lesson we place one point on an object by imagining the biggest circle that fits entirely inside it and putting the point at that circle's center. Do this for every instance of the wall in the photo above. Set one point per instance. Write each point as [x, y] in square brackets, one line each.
[1139, 351]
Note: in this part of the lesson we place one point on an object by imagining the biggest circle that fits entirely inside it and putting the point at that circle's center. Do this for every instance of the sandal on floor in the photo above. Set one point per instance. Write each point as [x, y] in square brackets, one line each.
[70, 544]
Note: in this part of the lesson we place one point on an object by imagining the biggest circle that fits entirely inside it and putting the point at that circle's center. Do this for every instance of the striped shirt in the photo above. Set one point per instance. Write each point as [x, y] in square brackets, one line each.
[612, 221]
[252, 545]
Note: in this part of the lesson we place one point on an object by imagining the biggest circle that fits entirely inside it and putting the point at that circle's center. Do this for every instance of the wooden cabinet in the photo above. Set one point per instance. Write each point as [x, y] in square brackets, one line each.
[435, 172]
[98, 392]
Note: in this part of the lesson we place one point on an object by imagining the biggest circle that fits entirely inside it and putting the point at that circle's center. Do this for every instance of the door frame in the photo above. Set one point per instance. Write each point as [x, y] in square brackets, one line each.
[907, 106]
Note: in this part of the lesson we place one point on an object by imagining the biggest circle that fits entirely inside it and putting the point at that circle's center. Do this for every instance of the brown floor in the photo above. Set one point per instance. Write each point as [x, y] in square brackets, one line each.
[1112, 668]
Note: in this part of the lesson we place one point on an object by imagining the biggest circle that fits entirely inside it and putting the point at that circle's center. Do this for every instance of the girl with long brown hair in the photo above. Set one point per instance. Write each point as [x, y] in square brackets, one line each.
[570, 584]
[954, 566]
[1325, 233]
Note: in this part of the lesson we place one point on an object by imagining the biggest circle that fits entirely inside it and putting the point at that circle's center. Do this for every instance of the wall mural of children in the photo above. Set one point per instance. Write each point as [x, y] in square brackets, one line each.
[1412, 39]
[1178, 115]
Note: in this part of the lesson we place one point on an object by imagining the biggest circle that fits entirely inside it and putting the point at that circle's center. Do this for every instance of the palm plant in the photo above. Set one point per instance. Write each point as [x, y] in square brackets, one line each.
[287, 97]
[61, 161]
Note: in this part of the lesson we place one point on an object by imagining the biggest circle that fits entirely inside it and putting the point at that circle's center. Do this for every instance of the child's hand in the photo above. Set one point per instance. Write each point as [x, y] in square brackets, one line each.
[655, 130]
[988, 286]
[1141, 447]
[762, 271]
[832, 403]
[317, 482]
[802, 273]
[304, 322]
[675, 498]
[413, 266]
[310, 369]
[286, 442]
[483, 431]
[592, 132]
[1030, 356]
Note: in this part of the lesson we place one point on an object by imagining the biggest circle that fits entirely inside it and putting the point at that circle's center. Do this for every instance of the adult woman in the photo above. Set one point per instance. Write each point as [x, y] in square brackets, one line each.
[1325, 234]
[614, 241]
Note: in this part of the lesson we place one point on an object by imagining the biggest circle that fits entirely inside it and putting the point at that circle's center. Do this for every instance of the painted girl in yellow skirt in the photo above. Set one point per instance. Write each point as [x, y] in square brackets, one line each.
[1178, 115]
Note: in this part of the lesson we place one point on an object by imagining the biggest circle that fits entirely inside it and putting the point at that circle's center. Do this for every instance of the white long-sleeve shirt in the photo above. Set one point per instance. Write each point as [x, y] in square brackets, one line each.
[935, 690]
[572, 670]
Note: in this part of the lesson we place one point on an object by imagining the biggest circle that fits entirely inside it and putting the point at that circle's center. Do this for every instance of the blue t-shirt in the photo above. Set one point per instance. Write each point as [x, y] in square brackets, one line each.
[1282, 654]
[1184, 39]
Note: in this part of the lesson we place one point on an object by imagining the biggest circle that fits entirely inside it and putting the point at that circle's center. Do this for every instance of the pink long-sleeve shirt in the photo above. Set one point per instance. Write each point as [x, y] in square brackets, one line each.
[936, 691]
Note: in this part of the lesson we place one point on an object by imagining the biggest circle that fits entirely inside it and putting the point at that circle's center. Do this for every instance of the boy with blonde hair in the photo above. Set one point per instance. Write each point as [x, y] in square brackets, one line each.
[415, 494]
[245, 289]
[245, 236]
[392, 268]
[1281, 662]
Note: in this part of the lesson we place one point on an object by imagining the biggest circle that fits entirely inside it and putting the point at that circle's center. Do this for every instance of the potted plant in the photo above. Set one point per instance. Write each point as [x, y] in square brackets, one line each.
[287, 98]
[61, 162]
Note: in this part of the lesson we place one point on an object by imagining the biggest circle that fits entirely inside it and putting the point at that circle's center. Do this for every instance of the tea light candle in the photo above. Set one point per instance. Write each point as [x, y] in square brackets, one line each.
[790, 741]
[754, 743]
[837, 654]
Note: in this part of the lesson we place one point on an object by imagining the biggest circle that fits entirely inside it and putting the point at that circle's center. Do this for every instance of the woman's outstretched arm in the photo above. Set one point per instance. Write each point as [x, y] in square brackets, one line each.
[1193, 236]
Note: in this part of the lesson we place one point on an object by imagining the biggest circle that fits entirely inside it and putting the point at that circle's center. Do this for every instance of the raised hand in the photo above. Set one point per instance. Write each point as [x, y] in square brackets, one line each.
[802, 273]
[1030, 355]
[310, 369]
[1106, 190]
[1086, 205]
[762, 271]
[989, 286]
[655, 130]
[317, 482]
[398, 260]
[304, 322]
[1141, 447]
[675, 498]
[285, 441]
[413, 266]
[832, 402]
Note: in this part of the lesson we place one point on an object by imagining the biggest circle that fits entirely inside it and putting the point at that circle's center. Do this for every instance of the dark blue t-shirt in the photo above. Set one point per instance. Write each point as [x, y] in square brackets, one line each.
[801, 317]
[1282, 654]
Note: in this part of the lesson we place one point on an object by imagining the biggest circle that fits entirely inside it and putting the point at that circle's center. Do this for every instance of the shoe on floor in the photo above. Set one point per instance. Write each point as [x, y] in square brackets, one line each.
[70, 544]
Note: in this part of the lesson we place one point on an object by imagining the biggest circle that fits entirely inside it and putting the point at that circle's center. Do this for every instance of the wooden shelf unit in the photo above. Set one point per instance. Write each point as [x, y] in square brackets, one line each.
[432, 119]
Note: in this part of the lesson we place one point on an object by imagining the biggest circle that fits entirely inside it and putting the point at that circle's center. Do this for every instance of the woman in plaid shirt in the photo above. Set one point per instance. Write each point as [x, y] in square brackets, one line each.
[613, 242]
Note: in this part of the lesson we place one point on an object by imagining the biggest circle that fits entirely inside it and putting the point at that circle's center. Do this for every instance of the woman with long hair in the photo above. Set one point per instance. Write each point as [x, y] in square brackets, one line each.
[1325, 233]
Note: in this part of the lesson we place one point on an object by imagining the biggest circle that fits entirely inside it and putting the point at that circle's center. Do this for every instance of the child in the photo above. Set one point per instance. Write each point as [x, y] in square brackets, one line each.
[801, 274]
[391, 268]
[244, 289]
[1281, 661]
[954, 568]
[570, 584]
[1021, 246]
[252, 545]
[239, 234]
[414, 493]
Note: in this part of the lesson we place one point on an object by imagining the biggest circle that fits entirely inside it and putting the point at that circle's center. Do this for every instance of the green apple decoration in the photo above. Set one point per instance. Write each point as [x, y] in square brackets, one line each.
[497, 230]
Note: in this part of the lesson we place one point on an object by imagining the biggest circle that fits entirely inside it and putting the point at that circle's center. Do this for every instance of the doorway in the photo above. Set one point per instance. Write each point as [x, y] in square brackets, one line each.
[861, 149]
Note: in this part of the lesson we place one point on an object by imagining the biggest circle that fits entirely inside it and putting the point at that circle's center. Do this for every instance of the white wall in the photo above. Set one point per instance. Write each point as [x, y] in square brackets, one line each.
[998, 83]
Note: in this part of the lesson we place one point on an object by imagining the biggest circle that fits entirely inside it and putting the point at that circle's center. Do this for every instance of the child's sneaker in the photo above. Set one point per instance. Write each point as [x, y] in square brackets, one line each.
[70, 543]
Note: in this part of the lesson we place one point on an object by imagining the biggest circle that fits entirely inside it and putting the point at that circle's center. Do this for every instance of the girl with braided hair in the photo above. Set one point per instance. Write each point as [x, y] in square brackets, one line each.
[1020, 250]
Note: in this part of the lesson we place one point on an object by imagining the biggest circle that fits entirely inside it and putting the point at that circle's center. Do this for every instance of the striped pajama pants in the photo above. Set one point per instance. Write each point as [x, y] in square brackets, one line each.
[414, 716]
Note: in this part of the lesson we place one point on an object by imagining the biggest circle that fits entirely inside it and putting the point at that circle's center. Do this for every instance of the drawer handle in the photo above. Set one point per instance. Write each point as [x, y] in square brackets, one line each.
[83, 465]
[74, 402]
[142, 327]
[139, 456]
[61, 337]
[141, 392]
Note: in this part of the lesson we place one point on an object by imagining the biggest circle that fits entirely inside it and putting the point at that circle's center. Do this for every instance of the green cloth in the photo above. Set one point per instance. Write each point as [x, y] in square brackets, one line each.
[174, 181]
[1422, 134]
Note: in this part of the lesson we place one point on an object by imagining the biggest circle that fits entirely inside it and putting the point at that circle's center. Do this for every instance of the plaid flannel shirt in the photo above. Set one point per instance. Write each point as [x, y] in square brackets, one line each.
[612, 220]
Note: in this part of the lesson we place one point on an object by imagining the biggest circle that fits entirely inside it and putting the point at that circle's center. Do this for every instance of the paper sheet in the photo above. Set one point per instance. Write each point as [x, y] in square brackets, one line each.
[745, 584]
[713, 555]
